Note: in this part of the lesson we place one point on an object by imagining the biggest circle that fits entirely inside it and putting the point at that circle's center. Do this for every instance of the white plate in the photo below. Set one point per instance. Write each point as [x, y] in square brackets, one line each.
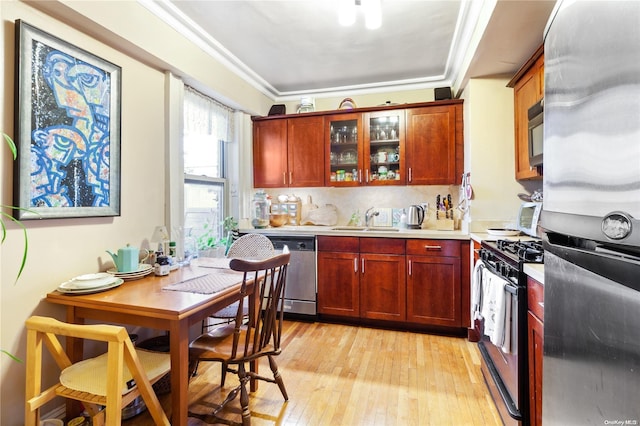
[73, 284]
[91, 277]
[142, 268]
[503, 232]
[67, 290]
[91, 280]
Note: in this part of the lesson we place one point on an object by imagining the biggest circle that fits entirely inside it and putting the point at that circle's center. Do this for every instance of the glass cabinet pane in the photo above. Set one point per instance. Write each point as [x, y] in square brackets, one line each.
[344, 152]
[384, 148]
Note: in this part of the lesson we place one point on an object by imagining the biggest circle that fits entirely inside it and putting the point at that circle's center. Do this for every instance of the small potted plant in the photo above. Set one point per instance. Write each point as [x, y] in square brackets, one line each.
[208, 242]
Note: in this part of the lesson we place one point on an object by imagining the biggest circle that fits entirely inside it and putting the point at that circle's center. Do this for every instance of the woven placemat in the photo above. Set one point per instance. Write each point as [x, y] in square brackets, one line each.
[208, 284]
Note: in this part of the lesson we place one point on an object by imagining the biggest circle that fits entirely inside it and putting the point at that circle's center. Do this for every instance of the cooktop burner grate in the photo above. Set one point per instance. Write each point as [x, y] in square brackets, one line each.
[528, 251]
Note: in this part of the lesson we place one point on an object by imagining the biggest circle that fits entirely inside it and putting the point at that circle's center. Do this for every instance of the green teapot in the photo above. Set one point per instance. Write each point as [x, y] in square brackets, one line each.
[127, 259]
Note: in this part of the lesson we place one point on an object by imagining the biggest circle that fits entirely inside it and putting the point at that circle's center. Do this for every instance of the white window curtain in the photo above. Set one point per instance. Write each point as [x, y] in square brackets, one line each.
[208, 127]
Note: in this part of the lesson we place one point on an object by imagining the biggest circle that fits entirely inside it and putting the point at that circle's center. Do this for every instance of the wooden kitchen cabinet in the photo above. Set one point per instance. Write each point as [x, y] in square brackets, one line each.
[535, 324]
[416, 282]
[288, 152]
[434, 295]
[361, 277]
[416, 144]
[270, 154]
[434, 144]
[528, 85]
[384, 151]
[382, 279]
[338, 284]
[365, 148]
[338, 276]
[344, 149]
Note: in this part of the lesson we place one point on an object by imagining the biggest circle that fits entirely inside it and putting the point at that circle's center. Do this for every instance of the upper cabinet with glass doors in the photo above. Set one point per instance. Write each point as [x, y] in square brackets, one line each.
[343, 141]
[365, 149]
[384, 148]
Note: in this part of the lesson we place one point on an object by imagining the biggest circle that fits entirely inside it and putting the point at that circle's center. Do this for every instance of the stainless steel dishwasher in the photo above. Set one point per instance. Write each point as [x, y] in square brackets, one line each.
[300, 290]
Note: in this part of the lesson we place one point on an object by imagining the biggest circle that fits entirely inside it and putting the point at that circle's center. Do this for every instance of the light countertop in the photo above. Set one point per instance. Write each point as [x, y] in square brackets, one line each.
[291, 230]
[535, 271]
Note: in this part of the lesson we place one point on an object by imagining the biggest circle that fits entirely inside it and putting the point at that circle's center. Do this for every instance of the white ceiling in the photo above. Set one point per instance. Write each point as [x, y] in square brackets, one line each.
[288, 49]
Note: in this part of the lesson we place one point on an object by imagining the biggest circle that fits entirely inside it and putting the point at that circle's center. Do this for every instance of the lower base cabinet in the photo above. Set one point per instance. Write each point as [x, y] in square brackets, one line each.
[433, 291]
[354, 282]
[382, 279]
[410, 281]
[338, 284]
[535, 325]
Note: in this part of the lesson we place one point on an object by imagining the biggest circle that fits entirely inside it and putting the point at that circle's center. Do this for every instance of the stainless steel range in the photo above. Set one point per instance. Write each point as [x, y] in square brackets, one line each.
[500, 311]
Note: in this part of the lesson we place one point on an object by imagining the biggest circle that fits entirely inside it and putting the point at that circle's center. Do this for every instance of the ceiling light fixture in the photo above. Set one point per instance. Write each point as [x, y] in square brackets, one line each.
[372, 12]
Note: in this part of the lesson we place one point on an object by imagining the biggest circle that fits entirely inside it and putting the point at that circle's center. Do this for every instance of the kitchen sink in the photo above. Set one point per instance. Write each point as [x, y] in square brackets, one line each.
[365, 229]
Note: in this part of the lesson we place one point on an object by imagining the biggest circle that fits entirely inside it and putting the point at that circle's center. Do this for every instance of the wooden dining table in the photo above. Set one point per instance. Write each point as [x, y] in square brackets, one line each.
[147, 303]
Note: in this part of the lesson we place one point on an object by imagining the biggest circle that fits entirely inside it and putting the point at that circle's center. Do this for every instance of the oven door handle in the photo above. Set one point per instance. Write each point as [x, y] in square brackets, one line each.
[511, 288]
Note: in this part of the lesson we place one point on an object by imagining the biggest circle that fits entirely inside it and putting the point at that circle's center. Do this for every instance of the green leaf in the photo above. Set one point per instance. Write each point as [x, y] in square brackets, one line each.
[12, 145]
[15, 358]
[24, 231]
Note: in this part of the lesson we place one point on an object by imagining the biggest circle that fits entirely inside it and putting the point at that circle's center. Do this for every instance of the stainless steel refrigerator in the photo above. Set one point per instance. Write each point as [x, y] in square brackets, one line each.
[591, 362]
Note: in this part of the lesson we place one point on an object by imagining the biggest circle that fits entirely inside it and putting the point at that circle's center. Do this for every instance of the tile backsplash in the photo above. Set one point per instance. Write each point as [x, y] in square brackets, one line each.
[351, 200]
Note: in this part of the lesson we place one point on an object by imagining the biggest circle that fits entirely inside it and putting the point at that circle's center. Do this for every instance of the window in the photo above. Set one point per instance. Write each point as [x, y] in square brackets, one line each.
[208, 126]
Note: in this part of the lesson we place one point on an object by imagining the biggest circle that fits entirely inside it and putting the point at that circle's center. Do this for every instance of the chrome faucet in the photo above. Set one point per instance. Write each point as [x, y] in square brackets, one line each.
[368, 215]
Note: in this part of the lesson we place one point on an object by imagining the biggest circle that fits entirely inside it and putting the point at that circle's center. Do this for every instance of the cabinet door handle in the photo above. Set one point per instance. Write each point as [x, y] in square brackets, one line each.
[409, 268]
[355, 265]
[366, 175]
[360, 175]
[433, 247]
[284, 178]
[363, 266]
[290, 178]
[409, 174]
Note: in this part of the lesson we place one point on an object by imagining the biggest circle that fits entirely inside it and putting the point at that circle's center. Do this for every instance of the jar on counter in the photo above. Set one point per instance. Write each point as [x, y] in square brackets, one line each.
[260, 210]
[162, 266]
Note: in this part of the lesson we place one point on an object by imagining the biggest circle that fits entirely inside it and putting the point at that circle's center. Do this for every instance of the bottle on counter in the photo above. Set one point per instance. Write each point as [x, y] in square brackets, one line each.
[403, 220]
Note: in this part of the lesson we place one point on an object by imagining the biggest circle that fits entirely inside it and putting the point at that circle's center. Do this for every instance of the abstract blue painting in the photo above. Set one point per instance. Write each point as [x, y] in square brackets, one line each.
[68, 129]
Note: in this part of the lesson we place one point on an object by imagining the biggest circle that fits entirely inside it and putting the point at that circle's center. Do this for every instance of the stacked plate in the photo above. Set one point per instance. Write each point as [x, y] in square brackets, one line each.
[142, 271]
[90, 283]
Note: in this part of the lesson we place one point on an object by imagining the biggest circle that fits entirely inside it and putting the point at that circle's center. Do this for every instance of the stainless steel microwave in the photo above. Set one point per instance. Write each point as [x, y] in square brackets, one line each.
[535, 133]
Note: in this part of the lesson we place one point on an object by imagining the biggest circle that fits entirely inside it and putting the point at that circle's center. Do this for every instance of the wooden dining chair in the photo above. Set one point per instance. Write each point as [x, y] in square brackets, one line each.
[259, 337]
[112, 380]
[248, 247]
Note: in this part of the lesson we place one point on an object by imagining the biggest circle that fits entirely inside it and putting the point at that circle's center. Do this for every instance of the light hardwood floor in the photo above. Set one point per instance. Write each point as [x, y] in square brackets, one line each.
[347, 375]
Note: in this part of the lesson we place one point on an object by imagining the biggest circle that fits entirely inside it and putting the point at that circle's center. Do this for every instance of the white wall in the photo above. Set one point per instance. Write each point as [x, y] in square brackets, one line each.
[490, 152]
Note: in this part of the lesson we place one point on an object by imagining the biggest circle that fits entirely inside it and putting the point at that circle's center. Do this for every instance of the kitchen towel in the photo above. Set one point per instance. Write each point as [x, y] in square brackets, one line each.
[497, 323]
[476, 290]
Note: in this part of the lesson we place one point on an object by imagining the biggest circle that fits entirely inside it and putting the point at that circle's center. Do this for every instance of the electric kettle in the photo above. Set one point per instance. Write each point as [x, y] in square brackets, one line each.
[415, 217]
